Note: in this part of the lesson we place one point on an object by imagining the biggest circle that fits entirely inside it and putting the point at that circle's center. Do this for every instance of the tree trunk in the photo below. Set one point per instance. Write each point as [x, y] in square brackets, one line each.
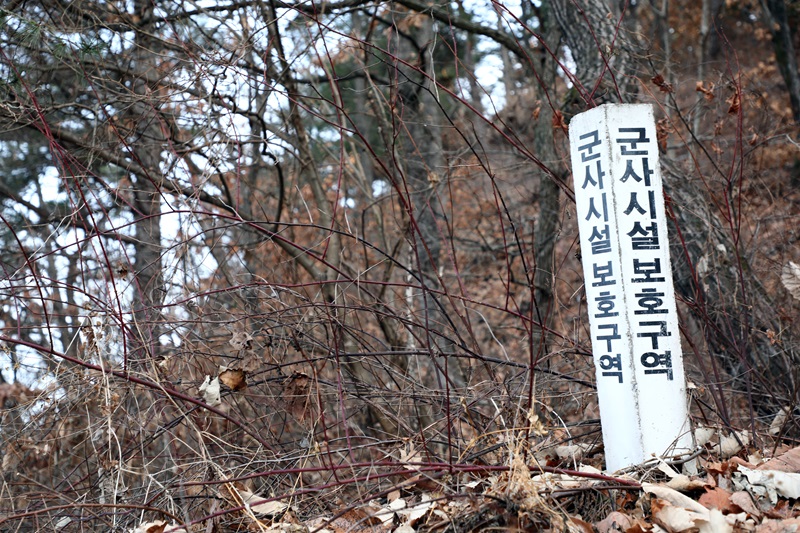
[549, 191]
[146, 193]
[422, 165]
[597, 49]
[785, 55]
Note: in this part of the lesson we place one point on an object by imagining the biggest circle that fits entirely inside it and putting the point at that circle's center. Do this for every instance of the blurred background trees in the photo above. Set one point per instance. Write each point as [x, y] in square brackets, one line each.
[355, 219]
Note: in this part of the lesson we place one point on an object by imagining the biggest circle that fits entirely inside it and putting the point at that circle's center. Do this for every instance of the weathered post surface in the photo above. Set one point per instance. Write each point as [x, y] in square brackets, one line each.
[630, 297]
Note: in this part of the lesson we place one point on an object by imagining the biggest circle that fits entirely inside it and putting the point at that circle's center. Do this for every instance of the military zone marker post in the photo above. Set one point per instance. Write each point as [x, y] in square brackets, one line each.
[630, 297]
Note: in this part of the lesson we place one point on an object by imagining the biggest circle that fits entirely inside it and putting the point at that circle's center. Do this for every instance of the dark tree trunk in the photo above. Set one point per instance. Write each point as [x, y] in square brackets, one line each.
[785, 54]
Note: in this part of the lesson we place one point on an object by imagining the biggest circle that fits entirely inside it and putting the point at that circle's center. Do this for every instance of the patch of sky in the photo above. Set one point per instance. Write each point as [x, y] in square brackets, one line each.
[489, 73]
[347, 202]
[380, 188]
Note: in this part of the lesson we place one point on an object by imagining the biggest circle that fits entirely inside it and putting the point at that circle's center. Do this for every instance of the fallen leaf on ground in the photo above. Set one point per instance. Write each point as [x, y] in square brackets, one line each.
[356, 520]
[744, 501]
[151, 527]
[680, 482]
[779, 420]
[786, 462]
[615, 521]
[733, 443]
[576, 525]
[674, 497]
[777, 483]
[703, 435]
[414, 513]
[781, 511]
[718, 498]
[673, 518]
[258, 505]
[791, 525]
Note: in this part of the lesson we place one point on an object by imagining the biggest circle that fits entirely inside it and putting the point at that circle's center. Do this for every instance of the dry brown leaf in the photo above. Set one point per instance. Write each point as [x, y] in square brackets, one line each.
[718, 498]
[151, 527]
[672, 518]
[791, 525]
[241, 340]
[576, 525]
[297, 395]
[781, 510]
[233, 378]
[674, 497]
[732, 444]
[356, 520]
[790, 277]
[250, 361]
[744, 501]
[639, 526]
[663, 129]
[258, 505]
[410, 21]
[780, 419]
[615, 521]
[736, 462]
[558, 121]
[537, 110]
[786, 462]
[14, 394]
[708, 92]
[661, 83]
[318, 524]
[777, 483]
[684, 483]
[735, 103]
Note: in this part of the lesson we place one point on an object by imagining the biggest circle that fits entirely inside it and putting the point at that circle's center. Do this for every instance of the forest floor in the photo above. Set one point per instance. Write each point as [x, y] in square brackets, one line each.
[716, 490]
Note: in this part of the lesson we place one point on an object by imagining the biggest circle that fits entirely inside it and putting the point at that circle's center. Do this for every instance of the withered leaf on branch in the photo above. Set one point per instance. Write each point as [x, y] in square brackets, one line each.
[708, 92]
[241, 340]
[251, 361]
[791, 278]
[735, 103]
[297, 395]
[663, 129]
[210, 391]
[661, 83]
[558, 121]
[233, 378]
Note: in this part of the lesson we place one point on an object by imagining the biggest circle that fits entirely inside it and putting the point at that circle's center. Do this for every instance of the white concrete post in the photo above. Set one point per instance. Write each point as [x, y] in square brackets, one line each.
[630, 298]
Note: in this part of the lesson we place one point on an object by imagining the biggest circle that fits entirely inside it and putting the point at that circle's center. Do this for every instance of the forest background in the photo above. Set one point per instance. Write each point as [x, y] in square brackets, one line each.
[311, 250]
